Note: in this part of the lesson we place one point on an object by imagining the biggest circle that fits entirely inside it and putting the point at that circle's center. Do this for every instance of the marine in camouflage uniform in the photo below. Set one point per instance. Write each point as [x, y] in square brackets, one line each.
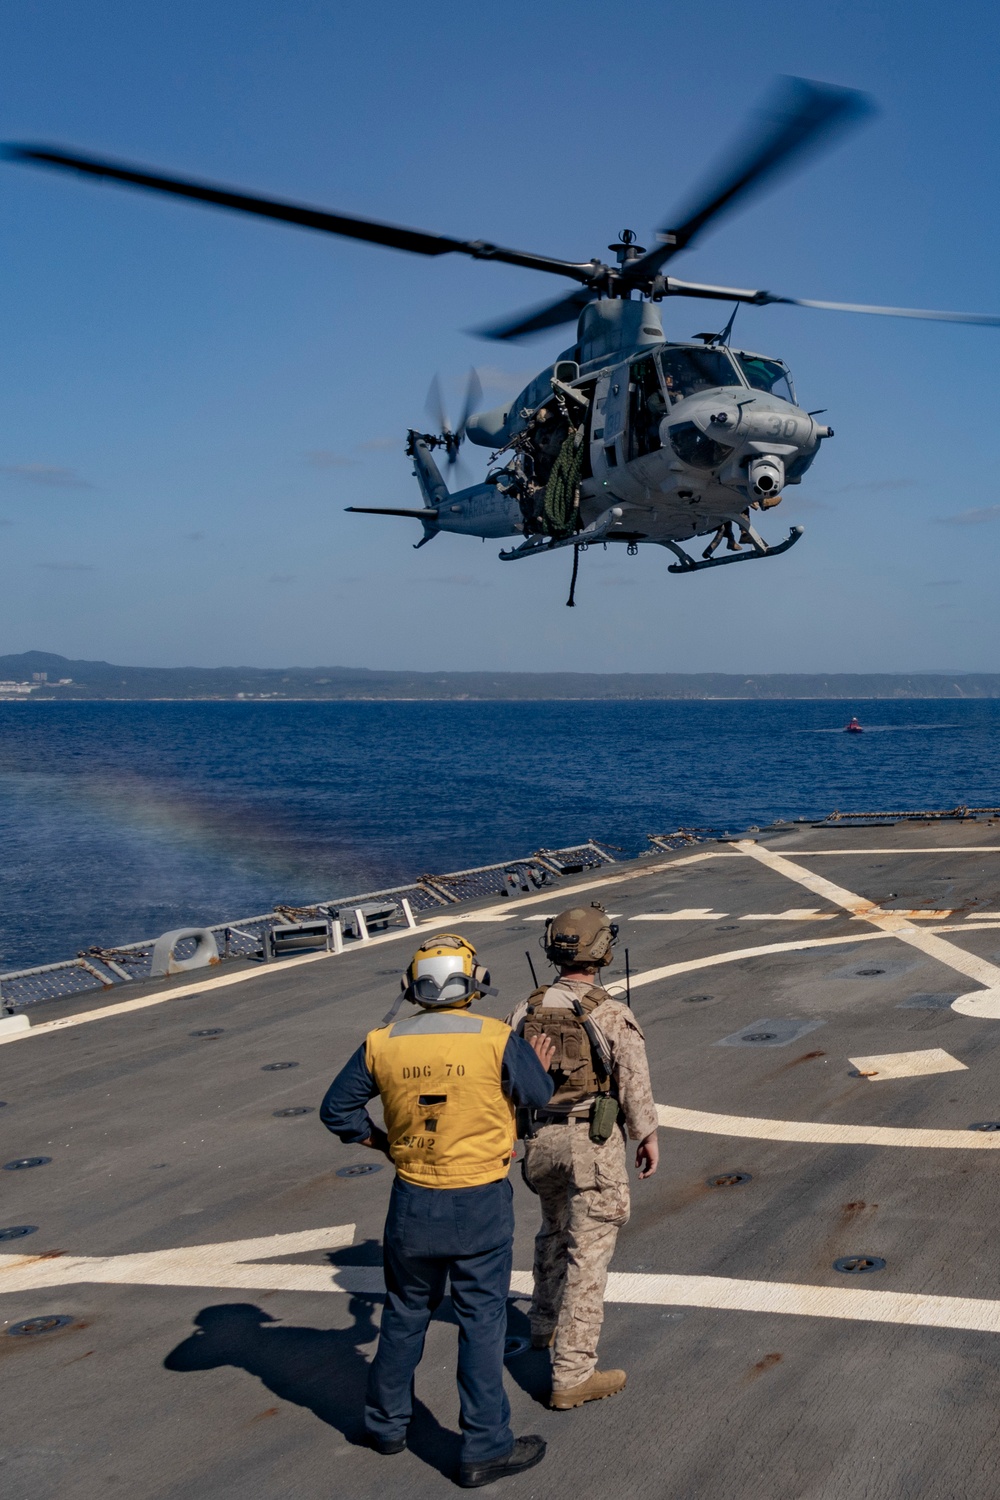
[582, 1184]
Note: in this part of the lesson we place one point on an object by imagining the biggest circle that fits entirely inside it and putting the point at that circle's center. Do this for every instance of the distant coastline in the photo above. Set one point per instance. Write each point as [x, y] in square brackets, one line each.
[44, 676]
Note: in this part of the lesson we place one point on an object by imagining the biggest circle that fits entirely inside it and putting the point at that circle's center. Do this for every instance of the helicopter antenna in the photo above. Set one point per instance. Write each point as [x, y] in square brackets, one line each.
[710, 340]
[724, 336]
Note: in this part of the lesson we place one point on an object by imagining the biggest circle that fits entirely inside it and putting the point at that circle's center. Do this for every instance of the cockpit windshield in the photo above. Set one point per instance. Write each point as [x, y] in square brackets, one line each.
[768, 375]
[687, 371]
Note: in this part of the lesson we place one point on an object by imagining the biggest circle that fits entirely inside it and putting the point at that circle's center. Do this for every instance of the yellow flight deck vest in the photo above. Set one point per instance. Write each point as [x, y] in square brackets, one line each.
[449, 1123]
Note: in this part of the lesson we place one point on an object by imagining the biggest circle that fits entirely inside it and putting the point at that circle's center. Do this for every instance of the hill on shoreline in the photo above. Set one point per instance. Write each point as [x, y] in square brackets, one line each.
[101, 680]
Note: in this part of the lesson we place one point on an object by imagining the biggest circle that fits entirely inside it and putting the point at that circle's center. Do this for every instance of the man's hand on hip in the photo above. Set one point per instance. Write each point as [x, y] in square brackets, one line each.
[378, 1141]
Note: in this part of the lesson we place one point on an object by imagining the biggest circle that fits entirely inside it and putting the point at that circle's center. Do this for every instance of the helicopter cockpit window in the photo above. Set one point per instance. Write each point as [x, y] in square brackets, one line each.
[768, 375]
[687, 371]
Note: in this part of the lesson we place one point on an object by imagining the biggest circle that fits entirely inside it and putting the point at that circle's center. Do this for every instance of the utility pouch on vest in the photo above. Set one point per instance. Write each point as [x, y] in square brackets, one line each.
[603, 1117]
[578, 1068]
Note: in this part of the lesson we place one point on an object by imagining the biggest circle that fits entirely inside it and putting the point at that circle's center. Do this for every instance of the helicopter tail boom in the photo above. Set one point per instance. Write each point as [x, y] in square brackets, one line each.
[430, 513]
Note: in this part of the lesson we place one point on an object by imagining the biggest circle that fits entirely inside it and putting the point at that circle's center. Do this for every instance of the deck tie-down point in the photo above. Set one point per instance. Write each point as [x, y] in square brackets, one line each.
[858, 1265]
[32, 1326]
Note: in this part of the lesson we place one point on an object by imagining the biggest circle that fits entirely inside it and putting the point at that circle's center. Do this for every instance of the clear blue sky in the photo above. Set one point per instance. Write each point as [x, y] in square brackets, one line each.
[189, 398]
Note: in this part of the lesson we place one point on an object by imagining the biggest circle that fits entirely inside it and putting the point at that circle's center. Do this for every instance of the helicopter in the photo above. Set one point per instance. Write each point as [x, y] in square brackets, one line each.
[629, 436]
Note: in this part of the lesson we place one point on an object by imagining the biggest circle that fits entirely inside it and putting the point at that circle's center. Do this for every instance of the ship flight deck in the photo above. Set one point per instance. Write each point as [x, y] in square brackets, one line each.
[806, 1299]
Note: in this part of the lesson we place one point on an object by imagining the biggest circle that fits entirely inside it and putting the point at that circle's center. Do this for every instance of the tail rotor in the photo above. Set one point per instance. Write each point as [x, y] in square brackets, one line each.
[447, 437]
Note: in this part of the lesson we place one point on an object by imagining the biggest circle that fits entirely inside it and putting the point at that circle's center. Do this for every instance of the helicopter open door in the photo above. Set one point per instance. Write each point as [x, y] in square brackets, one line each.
[647, 406]
[607, 430]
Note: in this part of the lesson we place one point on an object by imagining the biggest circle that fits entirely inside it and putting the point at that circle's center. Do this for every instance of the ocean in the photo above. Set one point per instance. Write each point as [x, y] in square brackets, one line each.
[119, 821]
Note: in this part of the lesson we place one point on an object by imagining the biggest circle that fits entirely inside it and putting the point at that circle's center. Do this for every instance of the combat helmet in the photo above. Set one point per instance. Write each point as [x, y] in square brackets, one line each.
[581, 935]
[444, 972]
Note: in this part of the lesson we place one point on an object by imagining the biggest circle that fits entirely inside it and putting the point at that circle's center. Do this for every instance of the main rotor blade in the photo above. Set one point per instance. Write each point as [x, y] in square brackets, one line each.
[370, 230]
[675, 288]
[799, 116]
[549, 315]
[985, 320]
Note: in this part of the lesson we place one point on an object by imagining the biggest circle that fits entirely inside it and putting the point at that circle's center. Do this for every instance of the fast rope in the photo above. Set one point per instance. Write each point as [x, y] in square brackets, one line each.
[571, 601]
[562, 491]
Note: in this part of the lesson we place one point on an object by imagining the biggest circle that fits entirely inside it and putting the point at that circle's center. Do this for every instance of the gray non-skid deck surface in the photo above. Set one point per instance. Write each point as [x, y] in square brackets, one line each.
[160, 1139]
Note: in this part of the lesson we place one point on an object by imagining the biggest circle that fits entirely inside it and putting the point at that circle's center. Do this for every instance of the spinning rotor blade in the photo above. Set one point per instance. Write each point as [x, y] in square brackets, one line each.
[453, 437]
[986, 320]
[434, 406]
[370, 230]
[676, 288]
[473, 396]
[549, 315]
[799, 117]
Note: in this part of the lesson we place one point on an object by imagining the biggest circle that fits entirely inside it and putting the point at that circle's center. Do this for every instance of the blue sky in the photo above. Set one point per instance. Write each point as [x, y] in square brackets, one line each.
[189, 398]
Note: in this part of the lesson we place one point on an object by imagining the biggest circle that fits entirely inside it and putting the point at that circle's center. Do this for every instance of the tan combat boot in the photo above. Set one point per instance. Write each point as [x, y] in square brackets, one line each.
[598, 1385]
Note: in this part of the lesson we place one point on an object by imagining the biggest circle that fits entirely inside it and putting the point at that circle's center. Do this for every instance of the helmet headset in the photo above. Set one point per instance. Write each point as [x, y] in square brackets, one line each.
[580, 937]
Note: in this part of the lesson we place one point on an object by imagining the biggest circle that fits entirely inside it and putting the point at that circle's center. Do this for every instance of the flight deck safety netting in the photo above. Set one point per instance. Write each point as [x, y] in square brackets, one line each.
[96, 969]
[107, 968]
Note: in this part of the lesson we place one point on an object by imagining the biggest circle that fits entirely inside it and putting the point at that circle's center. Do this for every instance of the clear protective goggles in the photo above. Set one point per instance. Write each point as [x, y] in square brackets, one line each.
[439, 982]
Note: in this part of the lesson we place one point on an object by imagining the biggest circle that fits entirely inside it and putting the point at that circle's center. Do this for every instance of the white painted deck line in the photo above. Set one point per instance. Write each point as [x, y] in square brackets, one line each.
[548, 915]
[923, 914]
[893, 923]
[793, 914]
[901, 853]
[686, 914]
[815, 1133]
[920, 1064]
[649, 976]
[219, 1266]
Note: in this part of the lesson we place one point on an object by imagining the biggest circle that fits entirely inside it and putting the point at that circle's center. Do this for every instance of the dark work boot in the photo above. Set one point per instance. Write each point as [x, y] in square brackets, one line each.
[386, 1445]
[525, 1454]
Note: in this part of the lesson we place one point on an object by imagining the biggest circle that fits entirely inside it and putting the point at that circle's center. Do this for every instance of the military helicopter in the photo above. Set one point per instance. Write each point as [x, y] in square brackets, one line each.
[629, 436]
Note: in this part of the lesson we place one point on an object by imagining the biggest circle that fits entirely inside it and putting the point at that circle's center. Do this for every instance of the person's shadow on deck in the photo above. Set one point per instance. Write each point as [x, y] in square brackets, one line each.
[320, 1369]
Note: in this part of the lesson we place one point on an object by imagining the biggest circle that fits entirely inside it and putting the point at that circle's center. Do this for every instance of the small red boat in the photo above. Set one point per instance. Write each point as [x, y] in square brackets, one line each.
[854, 728]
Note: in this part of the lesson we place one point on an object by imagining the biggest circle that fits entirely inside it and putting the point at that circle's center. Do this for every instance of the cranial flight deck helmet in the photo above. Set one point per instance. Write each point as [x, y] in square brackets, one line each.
[444, 972]
[582, 935]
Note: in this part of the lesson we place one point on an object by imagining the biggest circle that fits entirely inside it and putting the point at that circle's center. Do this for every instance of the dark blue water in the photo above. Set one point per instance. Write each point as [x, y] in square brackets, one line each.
[121, 820]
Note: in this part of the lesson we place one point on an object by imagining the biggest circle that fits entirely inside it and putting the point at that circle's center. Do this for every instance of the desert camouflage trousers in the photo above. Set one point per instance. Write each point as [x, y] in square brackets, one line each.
[582, 1186]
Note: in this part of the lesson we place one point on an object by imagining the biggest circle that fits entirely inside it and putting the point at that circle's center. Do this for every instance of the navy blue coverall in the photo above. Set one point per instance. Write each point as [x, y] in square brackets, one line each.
[432, 1234]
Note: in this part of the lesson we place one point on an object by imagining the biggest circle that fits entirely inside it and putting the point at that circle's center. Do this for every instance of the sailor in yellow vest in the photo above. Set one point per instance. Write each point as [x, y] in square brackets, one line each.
[449, 1082]
[575, 1148]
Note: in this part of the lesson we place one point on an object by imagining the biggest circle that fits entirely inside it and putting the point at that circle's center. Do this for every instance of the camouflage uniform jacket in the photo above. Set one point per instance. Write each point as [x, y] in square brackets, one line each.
[626, 1043]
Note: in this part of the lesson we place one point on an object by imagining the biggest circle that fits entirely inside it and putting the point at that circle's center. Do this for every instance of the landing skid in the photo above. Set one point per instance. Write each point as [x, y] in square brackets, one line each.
[607, 529]
[687, 564]
[601, 530]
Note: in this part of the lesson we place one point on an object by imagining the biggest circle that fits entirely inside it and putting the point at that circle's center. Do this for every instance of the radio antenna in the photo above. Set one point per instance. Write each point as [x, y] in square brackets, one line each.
[534, 976]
